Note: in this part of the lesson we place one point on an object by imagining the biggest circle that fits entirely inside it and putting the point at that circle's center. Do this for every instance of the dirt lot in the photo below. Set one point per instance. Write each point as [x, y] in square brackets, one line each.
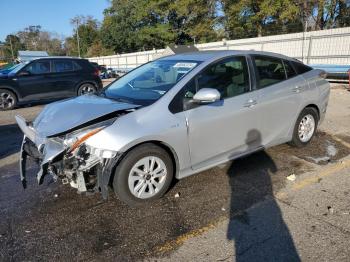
[52, 221]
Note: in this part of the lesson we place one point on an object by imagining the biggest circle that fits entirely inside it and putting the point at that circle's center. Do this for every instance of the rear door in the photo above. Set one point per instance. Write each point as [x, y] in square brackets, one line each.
[219, 131]
[66, 76]
[280, 97]
[34, 80]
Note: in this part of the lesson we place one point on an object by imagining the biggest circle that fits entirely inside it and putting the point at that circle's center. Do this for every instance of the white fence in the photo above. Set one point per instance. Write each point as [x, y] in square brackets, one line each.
[316, 47]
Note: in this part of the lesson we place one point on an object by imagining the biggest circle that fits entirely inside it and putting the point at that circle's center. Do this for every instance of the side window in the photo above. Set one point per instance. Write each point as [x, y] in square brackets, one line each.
[230, 77]
[269, 70]
[39, 67]
[289, 69]
[301, 68]
[63, 66]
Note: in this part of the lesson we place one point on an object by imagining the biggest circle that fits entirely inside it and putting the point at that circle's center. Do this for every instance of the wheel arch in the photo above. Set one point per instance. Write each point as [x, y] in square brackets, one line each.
[18, 97]
[169, 149]
[314, 106]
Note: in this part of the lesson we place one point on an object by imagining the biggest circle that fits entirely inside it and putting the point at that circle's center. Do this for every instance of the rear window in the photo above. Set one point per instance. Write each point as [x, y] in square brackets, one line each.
[269, 70]
[301, 68]
[65, 66]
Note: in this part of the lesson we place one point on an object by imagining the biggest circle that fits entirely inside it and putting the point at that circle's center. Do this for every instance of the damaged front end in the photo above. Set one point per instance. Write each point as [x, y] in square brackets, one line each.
[66, 157]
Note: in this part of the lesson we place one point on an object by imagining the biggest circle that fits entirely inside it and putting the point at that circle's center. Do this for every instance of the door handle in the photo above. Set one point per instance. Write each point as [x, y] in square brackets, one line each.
[250, 103]
[297, 89]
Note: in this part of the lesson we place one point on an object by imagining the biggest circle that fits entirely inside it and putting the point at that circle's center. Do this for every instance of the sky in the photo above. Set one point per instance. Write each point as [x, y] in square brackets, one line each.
[52, 15]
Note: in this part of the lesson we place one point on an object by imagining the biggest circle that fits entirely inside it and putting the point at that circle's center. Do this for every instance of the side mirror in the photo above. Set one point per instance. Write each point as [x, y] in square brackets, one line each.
[206, 96]
[24, 73]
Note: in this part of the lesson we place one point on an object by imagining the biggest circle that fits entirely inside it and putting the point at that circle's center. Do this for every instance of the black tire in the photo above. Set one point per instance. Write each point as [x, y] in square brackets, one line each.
[86, 88]
[8, 100]
[296, 141]
[121, 175]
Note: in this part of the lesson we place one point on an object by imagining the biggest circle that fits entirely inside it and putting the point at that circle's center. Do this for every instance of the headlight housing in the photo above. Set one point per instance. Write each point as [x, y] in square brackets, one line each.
[73, 140]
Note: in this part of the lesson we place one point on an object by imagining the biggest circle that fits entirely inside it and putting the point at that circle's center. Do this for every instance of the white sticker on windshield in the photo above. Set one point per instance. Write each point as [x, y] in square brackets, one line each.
[186, 65]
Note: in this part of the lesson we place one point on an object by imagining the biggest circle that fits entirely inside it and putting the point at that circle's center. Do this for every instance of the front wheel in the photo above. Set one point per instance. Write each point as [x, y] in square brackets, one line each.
[305, 127]
[143, 175]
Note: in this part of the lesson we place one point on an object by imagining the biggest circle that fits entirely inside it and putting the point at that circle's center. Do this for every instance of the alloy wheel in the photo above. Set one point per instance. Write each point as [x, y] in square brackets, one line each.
[147, 177]
[87, 89]
[306, 128]
[6, 100]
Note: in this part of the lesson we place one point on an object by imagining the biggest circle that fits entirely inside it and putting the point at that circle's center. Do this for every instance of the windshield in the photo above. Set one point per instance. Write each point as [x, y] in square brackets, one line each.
[17, 67]
[149, 82]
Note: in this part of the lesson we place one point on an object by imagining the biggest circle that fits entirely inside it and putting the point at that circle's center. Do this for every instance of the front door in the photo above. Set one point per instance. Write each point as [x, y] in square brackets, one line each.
[35, 84]
[226, 128]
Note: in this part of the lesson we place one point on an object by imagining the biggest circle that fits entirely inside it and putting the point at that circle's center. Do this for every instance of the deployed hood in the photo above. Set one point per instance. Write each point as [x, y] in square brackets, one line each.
[71, 114]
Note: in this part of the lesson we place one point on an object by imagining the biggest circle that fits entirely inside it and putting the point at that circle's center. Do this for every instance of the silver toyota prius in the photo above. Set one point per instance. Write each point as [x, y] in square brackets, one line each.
[174, 117]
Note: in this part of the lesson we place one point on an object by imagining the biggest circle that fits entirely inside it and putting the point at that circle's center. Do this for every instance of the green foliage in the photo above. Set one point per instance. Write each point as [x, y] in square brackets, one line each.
[32, 38]
[248, 18]
[11, 46]
[87, 28]
[138, 25]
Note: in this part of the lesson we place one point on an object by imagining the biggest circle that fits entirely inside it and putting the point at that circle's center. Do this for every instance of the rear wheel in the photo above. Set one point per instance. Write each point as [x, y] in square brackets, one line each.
[305, 127]
[143, 175]
[86, 88]
[8, 99]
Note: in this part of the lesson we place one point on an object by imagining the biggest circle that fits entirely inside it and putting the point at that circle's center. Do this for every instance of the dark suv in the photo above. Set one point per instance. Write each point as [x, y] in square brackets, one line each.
[47, 79]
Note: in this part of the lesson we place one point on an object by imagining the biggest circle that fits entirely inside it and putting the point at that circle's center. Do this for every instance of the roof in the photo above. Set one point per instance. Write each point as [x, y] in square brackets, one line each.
[215, 54]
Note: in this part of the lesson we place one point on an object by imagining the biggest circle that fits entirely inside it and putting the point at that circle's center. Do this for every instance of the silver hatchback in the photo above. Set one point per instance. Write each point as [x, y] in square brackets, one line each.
[174, 117]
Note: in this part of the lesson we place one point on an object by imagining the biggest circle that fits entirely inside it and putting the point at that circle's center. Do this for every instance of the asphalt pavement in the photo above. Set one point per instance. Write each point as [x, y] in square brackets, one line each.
[282, 204]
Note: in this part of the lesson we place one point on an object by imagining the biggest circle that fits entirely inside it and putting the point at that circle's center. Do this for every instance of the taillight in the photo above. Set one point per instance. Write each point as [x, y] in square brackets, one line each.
[96, 72]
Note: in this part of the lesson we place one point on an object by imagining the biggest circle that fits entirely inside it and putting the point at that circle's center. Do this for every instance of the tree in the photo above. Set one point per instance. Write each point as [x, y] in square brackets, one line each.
[34, 39]
[134, 25]
[325, 14]
[86, 33]
[97, 49]
[11, 47]
[139, 25]
[192, 20]
[247, 18]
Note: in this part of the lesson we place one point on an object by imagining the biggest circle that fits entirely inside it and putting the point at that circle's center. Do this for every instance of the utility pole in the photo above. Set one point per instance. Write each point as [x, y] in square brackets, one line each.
[78, 41]
[13, 57]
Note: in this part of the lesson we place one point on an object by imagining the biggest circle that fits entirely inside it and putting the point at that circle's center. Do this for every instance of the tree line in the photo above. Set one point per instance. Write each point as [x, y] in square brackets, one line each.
[135, 25]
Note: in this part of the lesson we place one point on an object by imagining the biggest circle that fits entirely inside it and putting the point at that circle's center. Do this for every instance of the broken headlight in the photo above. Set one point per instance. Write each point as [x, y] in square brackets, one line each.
[74, 140]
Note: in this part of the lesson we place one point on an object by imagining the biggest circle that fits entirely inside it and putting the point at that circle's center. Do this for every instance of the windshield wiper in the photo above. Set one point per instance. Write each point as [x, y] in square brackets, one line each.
[122, 100]
[119, 99]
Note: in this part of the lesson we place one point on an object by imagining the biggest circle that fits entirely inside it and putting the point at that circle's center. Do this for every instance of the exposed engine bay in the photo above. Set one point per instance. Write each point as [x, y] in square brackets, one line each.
[65, 156]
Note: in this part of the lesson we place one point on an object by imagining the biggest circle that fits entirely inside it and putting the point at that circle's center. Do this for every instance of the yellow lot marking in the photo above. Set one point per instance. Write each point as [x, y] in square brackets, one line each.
[170, 245]
[344, 143]
[323, 173]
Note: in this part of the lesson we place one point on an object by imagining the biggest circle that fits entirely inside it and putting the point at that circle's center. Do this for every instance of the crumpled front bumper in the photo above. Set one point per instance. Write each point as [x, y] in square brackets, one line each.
[42, 149]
